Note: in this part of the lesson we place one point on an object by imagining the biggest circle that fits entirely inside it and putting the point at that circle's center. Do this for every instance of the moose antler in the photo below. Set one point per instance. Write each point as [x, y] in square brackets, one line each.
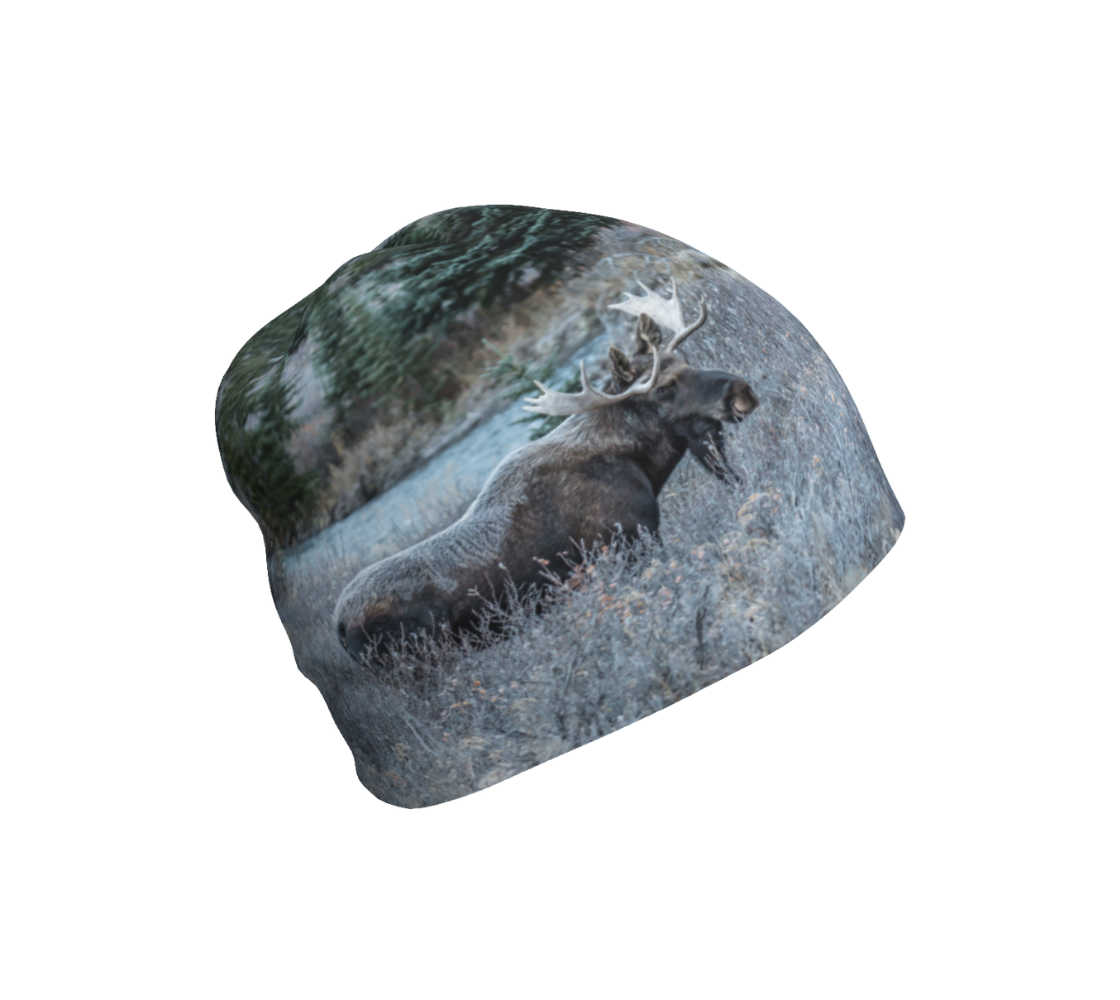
[564, 404]
[664, 312]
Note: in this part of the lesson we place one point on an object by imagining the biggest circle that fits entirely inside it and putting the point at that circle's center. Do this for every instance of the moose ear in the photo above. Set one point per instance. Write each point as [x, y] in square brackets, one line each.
[621, 368]
[648, 335]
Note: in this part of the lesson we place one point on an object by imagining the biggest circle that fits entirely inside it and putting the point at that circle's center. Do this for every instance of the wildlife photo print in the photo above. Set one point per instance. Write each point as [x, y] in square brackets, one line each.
[528, 476]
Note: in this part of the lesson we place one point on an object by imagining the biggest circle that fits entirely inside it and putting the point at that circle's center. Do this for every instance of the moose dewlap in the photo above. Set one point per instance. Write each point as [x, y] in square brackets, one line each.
[526, 476]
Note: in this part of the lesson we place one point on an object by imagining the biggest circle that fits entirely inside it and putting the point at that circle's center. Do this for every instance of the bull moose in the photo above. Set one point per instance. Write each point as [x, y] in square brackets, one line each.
[595, 477]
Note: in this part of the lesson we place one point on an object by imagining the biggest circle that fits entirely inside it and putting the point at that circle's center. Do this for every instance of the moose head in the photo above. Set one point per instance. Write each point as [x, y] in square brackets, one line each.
[660, 389]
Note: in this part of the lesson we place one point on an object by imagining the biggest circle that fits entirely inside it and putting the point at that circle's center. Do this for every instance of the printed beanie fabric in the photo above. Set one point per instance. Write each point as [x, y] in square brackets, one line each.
[527, 476]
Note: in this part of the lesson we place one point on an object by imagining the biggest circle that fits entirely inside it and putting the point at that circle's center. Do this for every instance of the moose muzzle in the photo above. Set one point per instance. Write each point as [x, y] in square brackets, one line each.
[741, 398]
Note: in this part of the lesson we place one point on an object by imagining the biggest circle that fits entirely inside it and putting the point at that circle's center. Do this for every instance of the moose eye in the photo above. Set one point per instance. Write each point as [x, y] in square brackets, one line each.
[665, 390]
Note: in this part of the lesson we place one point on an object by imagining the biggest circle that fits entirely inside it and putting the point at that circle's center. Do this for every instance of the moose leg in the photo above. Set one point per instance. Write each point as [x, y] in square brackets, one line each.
[368, 640]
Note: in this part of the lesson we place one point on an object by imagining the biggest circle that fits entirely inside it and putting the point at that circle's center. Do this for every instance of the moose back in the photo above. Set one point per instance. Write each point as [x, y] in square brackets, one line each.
[595, 477]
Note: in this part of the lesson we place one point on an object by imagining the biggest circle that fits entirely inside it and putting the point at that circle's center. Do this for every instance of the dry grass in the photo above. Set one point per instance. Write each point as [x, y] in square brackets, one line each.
[737, 572]
[637, 627]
